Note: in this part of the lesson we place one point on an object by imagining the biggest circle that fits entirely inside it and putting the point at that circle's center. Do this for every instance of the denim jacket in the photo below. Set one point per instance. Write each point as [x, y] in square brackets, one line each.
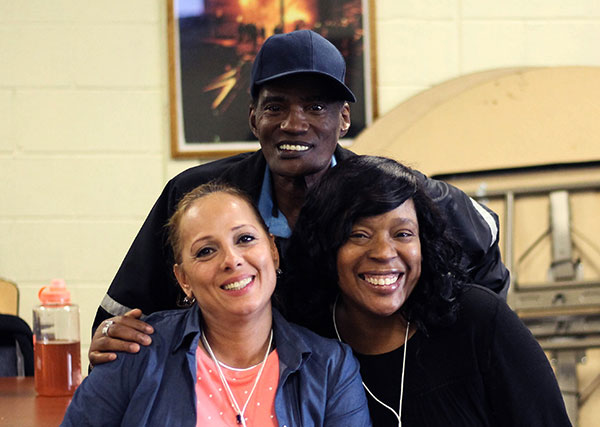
[319, 380]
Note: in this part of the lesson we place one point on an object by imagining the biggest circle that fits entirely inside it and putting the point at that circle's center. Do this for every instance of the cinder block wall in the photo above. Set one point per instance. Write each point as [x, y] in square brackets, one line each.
[420, 43]
[84, 114]
[84, 147]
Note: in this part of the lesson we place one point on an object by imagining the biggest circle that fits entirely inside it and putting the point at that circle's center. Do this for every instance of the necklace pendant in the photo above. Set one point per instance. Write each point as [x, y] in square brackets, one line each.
[238, 419]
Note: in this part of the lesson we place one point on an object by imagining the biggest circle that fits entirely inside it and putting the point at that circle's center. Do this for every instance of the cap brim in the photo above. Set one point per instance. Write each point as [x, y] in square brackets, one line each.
[342, 91]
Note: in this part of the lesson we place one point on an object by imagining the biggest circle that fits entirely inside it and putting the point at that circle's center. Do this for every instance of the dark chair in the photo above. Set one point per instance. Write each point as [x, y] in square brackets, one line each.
[16, 347]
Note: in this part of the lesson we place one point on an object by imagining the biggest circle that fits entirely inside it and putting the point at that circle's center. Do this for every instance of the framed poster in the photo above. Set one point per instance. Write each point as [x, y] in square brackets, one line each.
[212, 45]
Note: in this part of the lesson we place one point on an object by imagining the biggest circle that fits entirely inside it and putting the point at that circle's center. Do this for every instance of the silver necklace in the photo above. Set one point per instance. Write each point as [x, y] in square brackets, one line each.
[239, 418]
[399, 413]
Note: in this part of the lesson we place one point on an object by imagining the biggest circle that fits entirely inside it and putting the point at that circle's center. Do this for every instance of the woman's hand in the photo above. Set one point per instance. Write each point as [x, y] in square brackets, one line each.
[125, 333]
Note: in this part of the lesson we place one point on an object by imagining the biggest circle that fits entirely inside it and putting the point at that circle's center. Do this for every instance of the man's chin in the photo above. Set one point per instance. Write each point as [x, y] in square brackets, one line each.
[292, 169]
[293, 154]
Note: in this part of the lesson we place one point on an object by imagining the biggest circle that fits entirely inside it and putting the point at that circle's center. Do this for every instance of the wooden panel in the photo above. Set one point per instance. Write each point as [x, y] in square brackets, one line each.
[497, 119]
[9, 298]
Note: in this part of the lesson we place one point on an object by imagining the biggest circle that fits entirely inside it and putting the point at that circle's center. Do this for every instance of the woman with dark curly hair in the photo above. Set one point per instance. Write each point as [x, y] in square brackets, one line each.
[372, 263]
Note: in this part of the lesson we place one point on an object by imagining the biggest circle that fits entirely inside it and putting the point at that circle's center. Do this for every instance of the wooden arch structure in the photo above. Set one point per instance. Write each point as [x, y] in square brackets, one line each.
[496, 119]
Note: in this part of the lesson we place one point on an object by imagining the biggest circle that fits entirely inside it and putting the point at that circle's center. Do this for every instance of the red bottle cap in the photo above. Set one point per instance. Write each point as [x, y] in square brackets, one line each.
[56, 293]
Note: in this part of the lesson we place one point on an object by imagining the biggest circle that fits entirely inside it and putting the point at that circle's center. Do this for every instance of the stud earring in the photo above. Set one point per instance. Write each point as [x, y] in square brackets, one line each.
[189, 301]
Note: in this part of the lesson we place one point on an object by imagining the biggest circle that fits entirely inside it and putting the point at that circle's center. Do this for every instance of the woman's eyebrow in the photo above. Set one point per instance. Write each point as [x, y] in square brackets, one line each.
[237, 227]
[200, 240]
[401, 221]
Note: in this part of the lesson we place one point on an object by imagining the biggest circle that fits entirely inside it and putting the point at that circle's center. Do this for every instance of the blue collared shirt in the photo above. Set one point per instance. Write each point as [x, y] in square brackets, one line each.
[277, 224]
[319, 380]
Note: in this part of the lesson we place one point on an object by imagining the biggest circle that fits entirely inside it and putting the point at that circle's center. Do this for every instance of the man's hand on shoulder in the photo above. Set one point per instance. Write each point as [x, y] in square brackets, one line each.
[122, 333]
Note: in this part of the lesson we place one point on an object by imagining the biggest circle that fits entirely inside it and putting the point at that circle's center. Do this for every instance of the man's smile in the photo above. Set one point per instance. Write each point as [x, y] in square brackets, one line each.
[296, 147]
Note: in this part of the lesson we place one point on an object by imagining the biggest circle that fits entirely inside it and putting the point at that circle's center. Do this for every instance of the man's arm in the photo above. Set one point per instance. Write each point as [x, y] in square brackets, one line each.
[145, 279]
[476, 229]
[124, 333]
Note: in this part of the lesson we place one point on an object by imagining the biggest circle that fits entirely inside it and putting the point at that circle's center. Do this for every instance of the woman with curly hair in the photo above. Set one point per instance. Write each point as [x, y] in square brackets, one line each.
[372, 263]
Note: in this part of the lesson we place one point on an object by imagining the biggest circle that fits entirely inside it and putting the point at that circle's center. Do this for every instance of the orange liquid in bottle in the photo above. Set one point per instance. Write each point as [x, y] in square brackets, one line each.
[57, 367]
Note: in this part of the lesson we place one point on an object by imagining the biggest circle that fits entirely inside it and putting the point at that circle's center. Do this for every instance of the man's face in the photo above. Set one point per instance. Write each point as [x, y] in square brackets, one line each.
[298, 124]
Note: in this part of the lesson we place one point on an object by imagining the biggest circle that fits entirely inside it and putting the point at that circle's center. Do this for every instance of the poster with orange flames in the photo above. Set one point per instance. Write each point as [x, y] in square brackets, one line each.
[212, 44]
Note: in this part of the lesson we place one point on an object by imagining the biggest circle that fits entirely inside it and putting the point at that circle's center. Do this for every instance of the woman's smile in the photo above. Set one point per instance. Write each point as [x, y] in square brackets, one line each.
[380, 279]
[383, 282]
[238, 285]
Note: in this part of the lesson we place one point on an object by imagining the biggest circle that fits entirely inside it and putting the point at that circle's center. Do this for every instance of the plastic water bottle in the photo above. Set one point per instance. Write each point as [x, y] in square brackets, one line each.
[57, 356]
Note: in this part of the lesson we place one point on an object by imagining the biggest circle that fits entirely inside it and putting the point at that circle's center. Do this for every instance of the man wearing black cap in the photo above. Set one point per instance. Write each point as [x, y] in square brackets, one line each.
[299, 111]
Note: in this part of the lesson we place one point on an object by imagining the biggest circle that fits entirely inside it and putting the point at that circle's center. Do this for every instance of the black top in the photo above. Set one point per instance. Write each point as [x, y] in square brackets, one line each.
[485, 370]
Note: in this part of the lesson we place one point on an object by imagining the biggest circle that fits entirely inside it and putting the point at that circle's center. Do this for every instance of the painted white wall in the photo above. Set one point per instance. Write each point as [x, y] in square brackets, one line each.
[84, 113]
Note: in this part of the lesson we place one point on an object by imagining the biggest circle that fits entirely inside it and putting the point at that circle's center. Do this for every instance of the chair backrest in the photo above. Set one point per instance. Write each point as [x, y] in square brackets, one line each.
[9, 297]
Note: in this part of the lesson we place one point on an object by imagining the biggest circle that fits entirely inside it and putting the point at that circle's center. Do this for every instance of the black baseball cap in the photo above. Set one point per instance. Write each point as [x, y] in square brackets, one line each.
[302, 51]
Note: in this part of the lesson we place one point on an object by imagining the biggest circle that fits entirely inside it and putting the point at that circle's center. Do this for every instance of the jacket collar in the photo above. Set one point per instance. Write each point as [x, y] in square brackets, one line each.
[191, 327]
[291, 347]
[248, 174]
[342, 153]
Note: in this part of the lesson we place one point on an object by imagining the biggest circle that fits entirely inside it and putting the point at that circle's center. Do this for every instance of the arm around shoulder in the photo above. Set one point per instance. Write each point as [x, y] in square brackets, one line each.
[145, 276]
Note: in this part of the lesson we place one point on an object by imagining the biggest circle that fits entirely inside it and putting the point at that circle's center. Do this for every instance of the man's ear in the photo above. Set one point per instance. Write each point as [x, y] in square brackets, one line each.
[344, 119]
[182, 279]
[252, 119]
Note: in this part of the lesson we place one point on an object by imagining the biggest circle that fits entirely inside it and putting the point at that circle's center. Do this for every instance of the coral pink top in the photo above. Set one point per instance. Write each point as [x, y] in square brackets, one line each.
[214, 407]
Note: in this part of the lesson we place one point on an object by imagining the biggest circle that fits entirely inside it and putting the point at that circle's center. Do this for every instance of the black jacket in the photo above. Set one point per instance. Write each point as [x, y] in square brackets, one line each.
[145, 279]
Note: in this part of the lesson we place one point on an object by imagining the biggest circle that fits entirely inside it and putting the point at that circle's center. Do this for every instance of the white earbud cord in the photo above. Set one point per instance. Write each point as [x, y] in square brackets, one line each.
[240, 412]
[399, 413]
